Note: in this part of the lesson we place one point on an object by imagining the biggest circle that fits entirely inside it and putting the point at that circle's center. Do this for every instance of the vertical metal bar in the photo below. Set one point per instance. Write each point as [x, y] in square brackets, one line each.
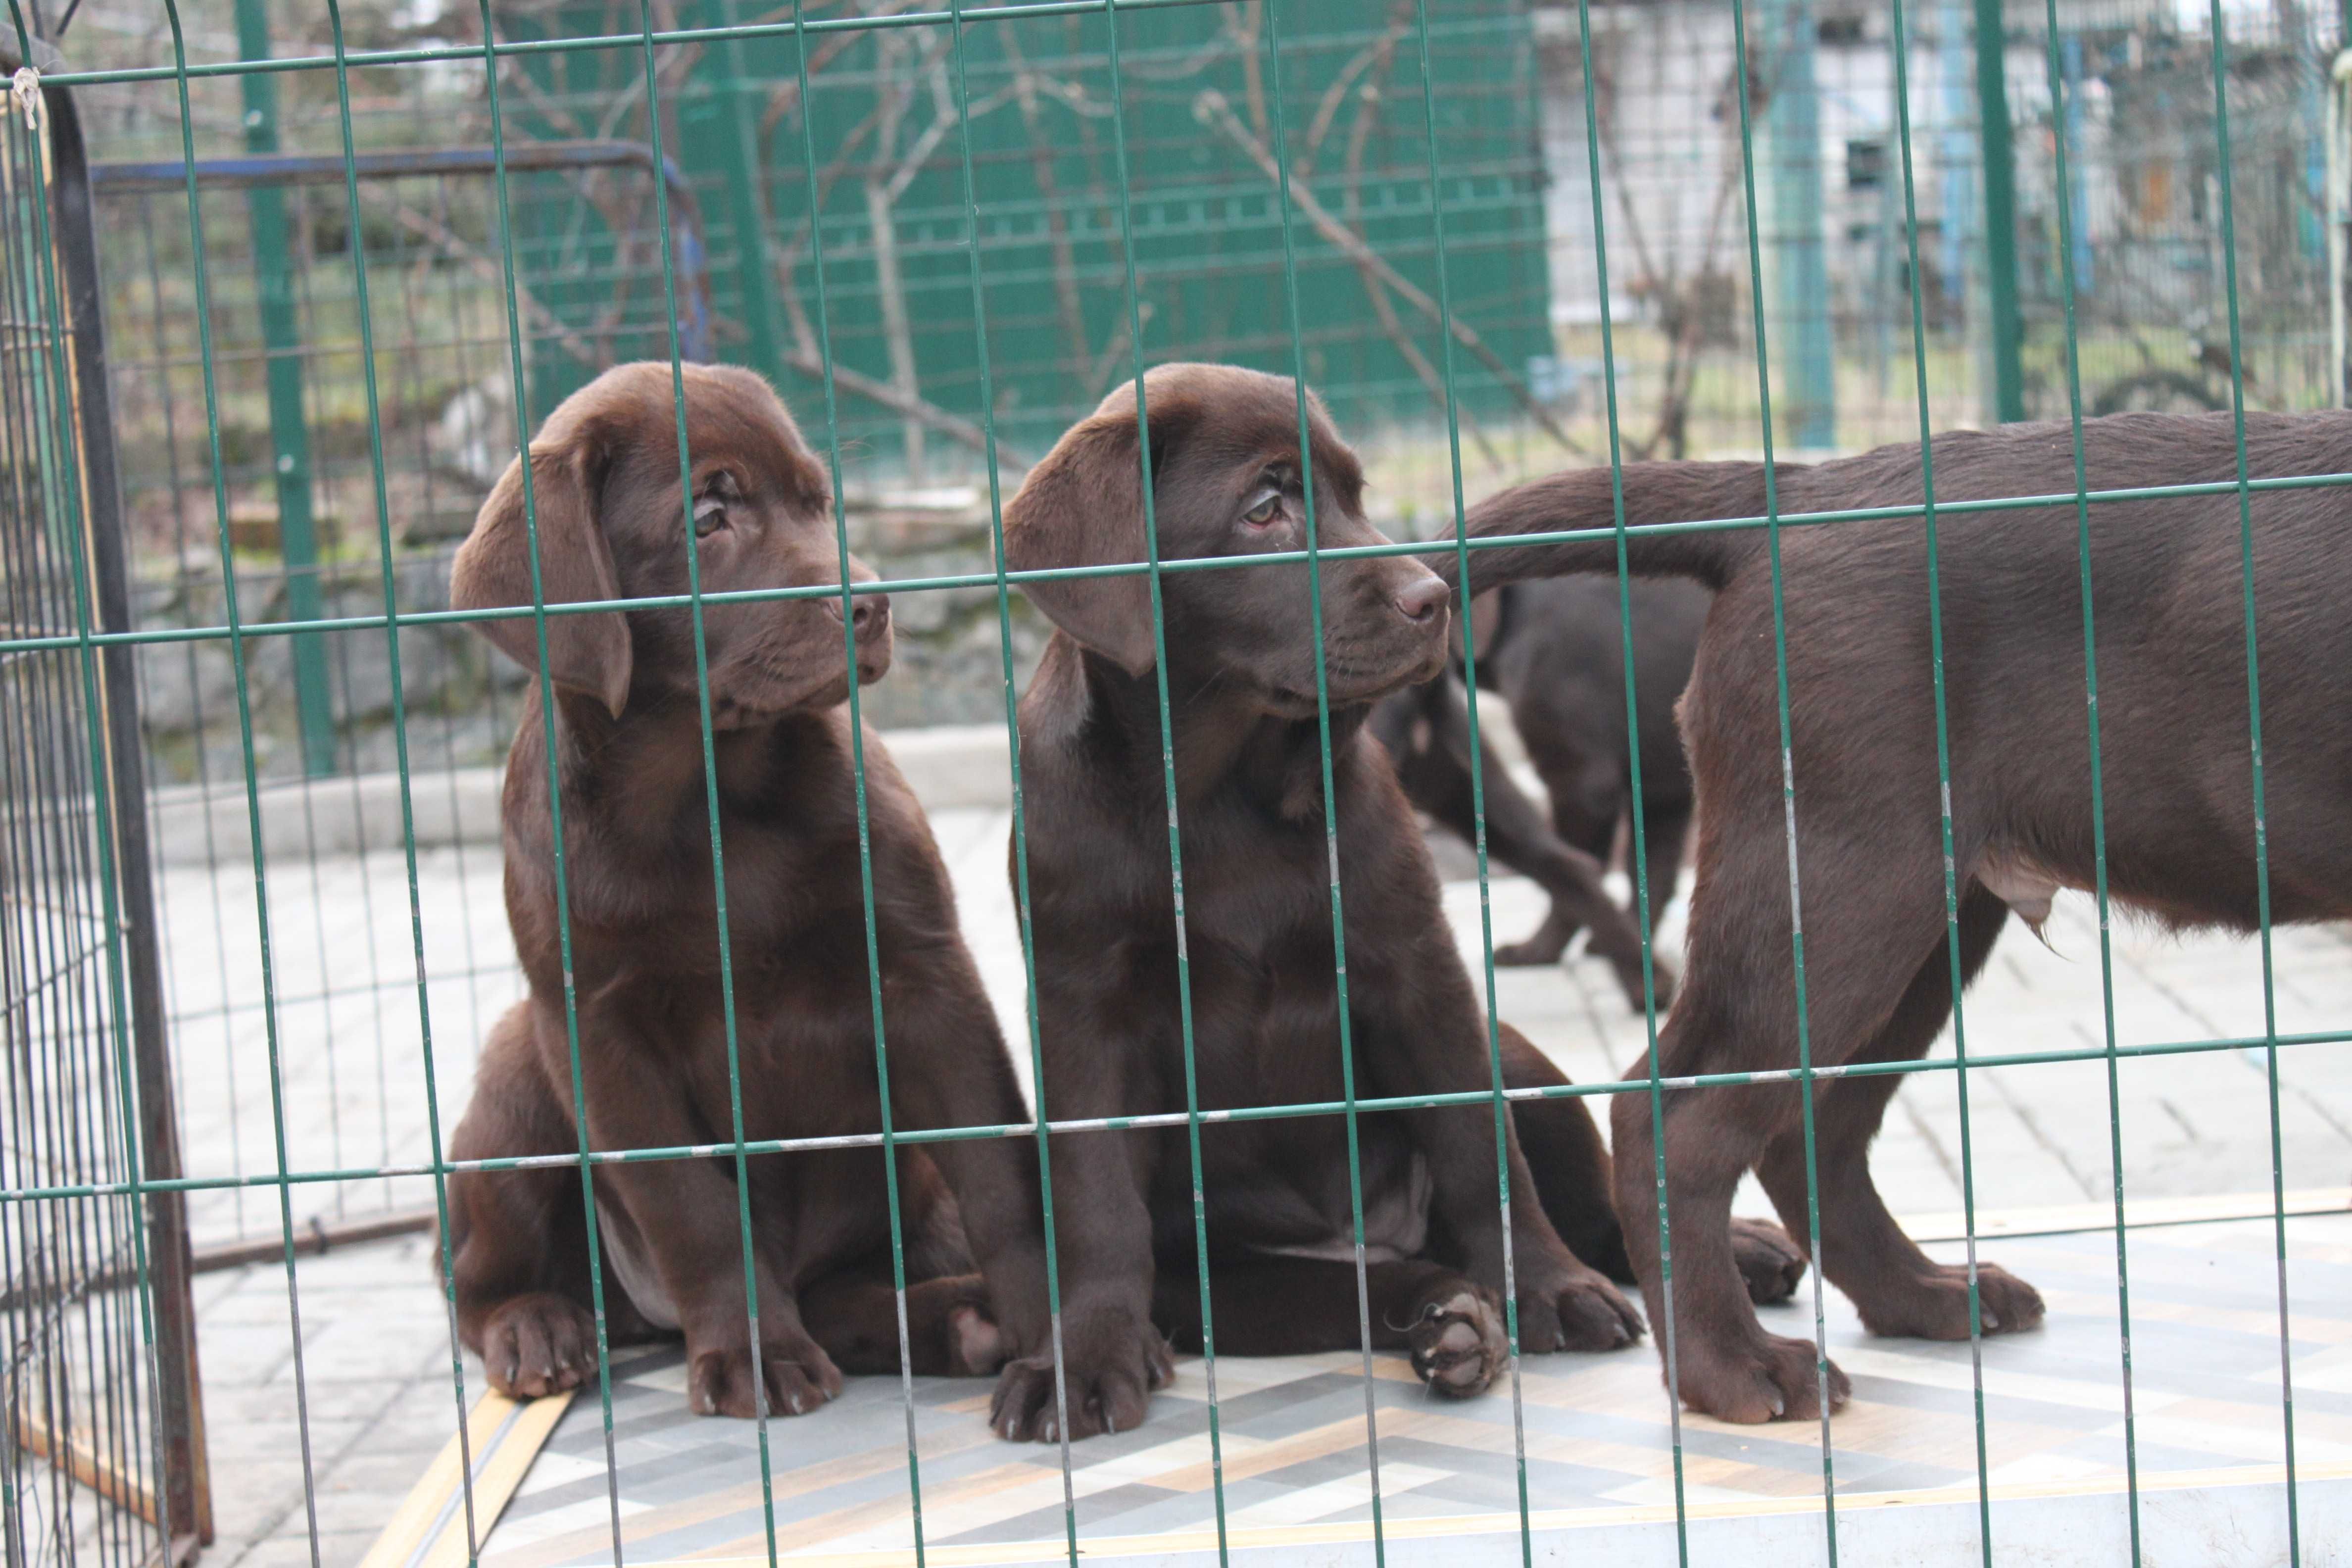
[865, 833]
[271, 1021]
[407, 804]
[1478, 783]
[1281, 151]
[185, 1485]
[1637, 855]
[290, 432]
[1788, 793]
[2006, 329]
[1943, 769]
[740, 156]
[62, 468]
[1024, 918]
[1168, 789]
[2063, 204]
[515, 345]
[2215, 20]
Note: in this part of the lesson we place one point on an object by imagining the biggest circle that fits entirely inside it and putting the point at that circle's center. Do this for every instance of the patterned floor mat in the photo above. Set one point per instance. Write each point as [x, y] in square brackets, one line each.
[1597, 1439]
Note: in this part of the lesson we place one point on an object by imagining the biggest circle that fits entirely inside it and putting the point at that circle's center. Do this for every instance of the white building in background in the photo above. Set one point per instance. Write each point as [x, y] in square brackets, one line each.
[2139, 138]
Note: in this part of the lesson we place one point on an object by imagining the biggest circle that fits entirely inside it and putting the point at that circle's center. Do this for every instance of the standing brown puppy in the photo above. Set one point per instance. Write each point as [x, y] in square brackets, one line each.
[1259, 855]
[2179, 819]
[653, 1066]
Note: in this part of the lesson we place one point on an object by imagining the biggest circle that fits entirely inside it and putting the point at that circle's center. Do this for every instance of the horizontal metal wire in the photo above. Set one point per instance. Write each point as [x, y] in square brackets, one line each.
[1364, 1106]
[1429, 548]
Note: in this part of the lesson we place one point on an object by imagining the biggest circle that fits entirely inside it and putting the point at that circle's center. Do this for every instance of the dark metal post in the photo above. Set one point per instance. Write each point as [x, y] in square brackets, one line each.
[187, 1484]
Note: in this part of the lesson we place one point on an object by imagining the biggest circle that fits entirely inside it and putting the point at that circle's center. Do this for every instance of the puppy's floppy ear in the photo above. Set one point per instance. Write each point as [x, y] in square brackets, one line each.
[1083, 506]
[588, 653]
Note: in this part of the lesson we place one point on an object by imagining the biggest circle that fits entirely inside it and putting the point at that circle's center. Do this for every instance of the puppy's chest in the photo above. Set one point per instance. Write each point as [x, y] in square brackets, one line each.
[803, 1066]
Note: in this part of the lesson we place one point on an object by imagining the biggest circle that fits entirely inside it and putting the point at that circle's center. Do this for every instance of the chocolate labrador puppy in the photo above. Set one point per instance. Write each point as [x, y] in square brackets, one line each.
[2180, 826]
[1264, 1005]
[1426, 730]
[653, 1065]
[1556, 652]
[1553, 649]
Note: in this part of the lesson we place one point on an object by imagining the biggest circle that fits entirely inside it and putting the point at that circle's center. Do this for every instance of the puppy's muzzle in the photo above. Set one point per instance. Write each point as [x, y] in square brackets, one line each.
[1423, 599]
[869, 614]
[869, 619]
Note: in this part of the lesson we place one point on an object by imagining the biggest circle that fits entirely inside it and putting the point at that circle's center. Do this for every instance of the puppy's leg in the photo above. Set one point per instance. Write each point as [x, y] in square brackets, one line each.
[1453, 1331]
[1665, 833]
[950, 1333]
[518, 1244]
[1586, 799]
[1870, 915]
[1572, 1175]
[1420, 1030]
[681, 1218]
[1433, 758]
[950, 1070]
[1567, 1158]
[1574, 1178]
[1897, 1288]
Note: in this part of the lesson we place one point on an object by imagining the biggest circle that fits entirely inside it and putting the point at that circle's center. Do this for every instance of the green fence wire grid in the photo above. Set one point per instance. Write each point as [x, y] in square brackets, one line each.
[91, 641]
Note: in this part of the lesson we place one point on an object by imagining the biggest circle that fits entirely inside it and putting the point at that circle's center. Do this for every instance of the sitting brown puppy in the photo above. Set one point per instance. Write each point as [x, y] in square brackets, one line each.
[653, 1063]
[1265, 1014]
[2180, 823]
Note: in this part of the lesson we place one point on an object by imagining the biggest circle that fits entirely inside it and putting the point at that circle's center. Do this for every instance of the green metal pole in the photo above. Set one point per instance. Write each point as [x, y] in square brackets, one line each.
[1800, 264]
[737, 139]
[290, 434]
[2007, 404]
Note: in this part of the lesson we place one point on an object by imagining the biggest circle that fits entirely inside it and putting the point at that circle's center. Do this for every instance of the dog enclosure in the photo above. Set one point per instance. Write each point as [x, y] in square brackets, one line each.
[254, 936]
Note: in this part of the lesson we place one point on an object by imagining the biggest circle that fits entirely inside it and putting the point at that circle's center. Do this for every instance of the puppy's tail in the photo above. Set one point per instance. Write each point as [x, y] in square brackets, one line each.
[1580, 498]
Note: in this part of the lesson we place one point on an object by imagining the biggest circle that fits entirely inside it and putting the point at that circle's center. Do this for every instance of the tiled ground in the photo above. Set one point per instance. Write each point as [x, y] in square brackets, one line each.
[1596, 1438]
[376, 1349]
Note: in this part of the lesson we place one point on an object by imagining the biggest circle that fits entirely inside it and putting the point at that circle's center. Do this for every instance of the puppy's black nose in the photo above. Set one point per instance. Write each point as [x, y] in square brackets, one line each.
[1424, 597]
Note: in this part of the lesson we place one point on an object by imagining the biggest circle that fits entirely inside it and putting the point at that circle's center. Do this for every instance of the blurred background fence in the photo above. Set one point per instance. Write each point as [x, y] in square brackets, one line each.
[885, 213]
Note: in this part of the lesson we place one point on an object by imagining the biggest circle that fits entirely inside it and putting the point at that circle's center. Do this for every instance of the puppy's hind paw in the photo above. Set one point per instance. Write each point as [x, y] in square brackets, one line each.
[1771, 1265]
[1583, 1312]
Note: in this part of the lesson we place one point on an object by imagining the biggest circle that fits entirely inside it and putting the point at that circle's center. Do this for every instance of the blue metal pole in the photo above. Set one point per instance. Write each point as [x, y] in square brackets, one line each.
[1800, 265]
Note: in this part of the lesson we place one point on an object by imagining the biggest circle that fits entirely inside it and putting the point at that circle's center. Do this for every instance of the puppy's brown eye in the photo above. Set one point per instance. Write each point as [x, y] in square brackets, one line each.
[1264, 512]
[709, 516]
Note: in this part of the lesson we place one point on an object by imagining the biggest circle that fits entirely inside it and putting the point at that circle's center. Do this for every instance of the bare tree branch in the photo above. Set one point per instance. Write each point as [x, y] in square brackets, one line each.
[1212, 109]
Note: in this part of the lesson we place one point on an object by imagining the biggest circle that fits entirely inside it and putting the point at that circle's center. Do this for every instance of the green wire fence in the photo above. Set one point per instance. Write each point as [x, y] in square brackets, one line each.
[341, 285]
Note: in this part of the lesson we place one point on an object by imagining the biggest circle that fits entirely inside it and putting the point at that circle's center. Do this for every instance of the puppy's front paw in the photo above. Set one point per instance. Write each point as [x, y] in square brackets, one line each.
[1460, 1344]
[536, 1344]
[798, 1377]
[1756, 1377]
[1112, 1363]
[1581, 1311]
